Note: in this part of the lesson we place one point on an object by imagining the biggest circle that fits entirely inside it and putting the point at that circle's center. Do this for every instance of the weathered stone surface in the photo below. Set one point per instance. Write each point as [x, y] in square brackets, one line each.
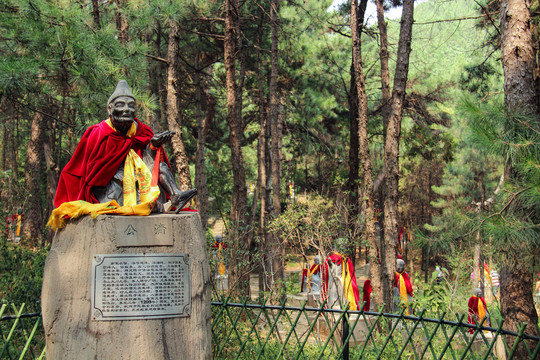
[70, 332]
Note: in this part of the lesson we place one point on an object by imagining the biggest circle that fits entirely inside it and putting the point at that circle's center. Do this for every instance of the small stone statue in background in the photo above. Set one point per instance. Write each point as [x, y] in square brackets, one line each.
[222, 278]
[478, 310]
[339, 280]
[314, 276]
[305, 282]
[403, 291]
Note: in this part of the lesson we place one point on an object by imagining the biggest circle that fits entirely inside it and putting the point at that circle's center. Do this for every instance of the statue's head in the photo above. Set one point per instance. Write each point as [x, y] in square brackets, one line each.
[317, 259]
[121, 107]
[218, 239]
[477, 292]
[400, 265]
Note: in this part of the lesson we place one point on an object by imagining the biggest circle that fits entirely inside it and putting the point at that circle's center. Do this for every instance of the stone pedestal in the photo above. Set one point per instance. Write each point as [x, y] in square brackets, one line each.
[70, 331]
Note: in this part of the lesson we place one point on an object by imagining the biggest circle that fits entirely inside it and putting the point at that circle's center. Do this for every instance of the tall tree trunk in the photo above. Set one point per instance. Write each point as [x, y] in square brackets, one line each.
[121, 21]
[277, 271]
[174, 118]
[161, 90]
[34, 158]
[368, 196]
[262, 166]
[205, 115]
[354, 160]
[391, 151]
[95, 14]
[52, 179]
[518, 56]
[518, 60]
[385, 72]
[238, 276]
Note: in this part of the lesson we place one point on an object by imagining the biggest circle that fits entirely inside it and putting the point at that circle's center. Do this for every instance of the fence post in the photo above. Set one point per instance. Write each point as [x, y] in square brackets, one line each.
[345, 335]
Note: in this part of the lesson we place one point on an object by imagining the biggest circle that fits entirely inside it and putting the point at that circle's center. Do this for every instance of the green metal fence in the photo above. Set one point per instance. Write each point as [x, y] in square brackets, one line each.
[21, 334]
[260, 331]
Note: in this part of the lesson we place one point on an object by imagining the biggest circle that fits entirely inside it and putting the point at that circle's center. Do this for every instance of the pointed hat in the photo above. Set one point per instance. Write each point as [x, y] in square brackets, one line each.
[122, 89]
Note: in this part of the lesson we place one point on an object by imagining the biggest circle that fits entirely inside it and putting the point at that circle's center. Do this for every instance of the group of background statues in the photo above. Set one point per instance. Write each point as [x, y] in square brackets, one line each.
[335, 282]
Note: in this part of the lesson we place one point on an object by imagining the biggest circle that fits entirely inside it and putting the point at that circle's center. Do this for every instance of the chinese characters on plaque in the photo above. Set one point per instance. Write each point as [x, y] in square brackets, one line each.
[139, 286]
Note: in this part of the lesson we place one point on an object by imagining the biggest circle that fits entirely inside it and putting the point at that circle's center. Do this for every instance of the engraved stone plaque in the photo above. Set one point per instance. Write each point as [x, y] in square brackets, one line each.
[140, 286]
[144, 231]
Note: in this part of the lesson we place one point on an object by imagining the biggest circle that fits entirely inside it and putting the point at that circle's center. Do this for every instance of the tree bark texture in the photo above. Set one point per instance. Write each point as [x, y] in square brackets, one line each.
[34, 158]
[95, 14]
[276, 250]
[206, 110]
[238, 277]
[518, 60]
[174, 118]
[385, 72]
[121, 21]
[367, 167]
[517, 306]
[518, 56]
[391, 152]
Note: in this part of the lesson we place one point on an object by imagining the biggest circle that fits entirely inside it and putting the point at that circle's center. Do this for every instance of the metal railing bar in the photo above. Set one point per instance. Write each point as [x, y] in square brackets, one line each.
[449, 341]
[514, 347]
[23, 316]
[388, 315]
[14, 326]
[27, 345]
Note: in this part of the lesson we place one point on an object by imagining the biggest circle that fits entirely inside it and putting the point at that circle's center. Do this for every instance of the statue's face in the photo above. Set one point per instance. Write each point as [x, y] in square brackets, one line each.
[400, 266]
[122, 112]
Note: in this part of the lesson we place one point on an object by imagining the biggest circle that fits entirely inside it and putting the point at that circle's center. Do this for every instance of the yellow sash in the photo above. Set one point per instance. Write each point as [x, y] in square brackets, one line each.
[221, 265]
[19, 223]
[403, 292]
[481, 309]
[136, 170]
[347, 283]
[310, 274]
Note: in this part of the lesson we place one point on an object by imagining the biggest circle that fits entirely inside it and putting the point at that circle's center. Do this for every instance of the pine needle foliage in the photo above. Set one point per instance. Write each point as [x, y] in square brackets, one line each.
[509, 225]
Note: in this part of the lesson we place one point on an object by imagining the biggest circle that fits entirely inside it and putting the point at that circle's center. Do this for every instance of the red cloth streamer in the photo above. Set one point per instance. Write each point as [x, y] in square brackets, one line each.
[367, 294]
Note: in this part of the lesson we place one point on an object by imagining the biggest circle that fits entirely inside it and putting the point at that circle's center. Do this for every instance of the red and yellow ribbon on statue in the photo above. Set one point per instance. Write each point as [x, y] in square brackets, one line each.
[403, 292]
[350, 288]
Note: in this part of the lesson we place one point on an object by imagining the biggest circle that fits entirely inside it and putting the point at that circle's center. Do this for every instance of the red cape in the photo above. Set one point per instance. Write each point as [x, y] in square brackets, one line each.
[473, 315]
[99, 154]
[337, 259]
[304, 279]
[367, 294]
[408, 284]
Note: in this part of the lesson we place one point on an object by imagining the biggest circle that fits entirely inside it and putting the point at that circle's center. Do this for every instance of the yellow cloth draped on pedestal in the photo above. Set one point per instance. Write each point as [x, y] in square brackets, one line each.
[135, 170]
[403, 292]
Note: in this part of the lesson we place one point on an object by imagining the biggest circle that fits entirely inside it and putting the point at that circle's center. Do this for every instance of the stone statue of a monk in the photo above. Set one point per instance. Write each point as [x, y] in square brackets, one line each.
[121, 159]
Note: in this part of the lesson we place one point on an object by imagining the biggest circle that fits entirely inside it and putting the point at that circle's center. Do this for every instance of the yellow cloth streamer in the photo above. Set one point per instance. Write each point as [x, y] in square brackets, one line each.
[347, 283]
[403, 292]
[481, 309]
[75, 209]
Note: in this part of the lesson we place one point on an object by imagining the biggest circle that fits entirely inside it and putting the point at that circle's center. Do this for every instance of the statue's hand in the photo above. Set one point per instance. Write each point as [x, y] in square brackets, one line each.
[161, 138]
